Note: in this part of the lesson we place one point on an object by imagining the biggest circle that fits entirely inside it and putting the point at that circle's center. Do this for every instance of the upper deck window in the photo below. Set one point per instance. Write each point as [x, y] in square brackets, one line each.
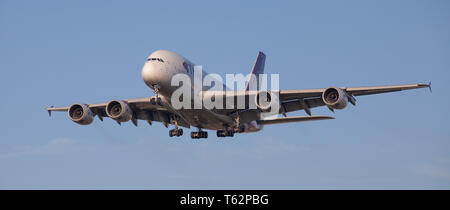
[155, 59]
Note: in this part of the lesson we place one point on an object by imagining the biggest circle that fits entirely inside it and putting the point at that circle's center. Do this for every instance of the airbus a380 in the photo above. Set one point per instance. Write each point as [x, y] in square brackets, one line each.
[162, 65]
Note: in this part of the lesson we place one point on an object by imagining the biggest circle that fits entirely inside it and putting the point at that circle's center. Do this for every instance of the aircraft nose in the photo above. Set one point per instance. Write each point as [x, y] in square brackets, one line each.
[149, 74]
[156, 75]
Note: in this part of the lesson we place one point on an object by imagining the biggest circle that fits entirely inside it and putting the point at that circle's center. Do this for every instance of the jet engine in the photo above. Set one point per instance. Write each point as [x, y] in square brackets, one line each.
[335, 98]
[119, 111]
[81, 114]
[250, 127]
[266, 100]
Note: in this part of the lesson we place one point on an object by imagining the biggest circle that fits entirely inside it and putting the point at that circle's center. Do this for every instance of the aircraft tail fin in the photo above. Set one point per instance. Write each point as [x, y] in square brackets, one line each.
[258, 68]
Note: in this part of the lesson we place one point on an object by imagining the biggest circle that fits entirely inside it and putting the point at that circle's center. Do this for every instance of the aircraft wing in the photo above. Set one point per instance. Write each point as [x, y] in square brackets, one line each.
[292, 119]
[293, 100]
[356, 91]
[142, 109]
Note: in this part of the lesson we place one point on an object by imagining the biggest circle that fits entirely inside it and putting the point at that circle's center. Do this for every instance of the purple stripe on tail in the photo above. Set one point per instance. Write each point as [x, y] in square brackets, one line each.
[258, 68]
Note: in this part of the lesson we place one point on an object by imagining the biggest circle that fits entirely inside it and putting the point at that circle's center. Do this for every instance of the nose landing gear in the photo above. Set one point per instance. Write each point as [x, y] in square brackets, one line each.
[156, 100]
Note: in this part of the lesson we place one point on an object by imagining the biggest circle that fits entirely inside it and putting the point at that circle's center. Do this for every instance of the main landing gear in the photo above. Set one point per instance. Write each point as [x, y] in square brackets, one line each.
[176, 131]
[199, 134]
[225, 133]
[229, 131]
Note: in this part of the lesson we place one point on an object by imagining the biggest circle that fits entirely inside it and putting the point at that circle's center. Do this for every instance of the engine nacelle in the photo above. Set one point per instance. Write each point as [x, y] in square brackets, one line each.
[250, 127]
[81, 114]
[266, 100]
[335, 98]
[119, 111]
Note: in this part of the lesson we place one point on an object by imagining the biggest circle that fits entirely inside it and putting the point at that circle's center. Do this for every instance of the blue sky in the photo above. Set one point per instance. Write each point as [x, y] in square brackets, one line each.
[59, 53]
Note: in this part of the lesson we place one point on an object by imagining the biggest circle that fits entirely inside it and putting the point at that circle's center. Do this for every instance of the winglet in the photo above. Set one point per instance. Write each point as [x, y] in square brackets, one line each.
[49, 111]
[429, 87]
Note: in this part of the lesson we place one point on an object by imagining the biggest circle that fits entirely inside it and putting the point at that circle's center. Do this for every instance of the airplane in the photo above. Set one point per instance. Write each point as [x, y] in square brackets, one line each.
[162, 65]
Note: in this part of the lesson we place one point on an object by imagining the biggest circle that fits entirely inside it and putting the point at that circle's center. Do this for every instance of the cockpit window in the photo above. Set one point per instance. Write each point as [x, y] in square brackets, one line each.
[155, 59]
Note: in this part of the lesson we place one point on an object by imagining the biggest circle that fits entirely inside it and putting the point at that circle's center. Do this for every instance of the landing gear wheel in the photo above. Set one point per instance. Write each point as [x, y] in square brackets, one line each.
[175, 132]
[159, 101]
[230, 133]
[153, 101]
[220, 133]
[225, 133]
[199, 135]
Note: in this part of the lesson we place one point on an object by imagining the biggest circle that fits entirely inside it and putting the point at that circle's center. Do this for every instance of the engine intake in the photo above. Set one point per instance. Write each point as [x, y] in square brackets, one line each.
[119, 111]
[81, 114]
[335, 98]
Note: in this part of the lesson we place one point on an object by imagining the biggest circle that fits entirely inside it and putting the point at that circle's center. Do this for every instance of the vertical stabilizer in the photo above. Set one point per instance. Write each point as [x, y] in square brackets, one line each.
[258, 68]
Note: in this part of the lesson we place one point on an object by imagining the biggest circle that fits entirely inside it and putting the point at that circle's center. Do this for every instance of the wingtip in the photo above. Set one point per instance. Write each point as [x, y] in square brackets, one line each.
[324, 117]
[429, 87]
[49, 110]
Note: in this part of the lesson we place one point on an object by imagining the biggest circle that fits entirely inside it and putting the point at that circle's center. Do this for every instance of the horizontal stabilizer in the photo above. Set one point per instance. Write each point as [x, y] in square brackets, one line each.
[293, 119]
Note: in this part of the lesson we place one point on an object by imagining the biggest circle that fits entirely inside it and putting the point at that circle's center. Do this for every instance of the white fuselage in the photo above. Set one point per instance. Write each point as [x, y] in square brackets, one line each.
[158, 72]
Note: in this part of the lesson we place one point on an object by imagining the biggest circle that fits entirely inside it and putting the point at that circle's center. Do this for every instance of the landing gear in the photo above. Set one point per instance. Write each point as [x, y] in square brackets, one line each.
[237, 121]
[176, 132]
[225, 133]
[199, 134]
[156, 100]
